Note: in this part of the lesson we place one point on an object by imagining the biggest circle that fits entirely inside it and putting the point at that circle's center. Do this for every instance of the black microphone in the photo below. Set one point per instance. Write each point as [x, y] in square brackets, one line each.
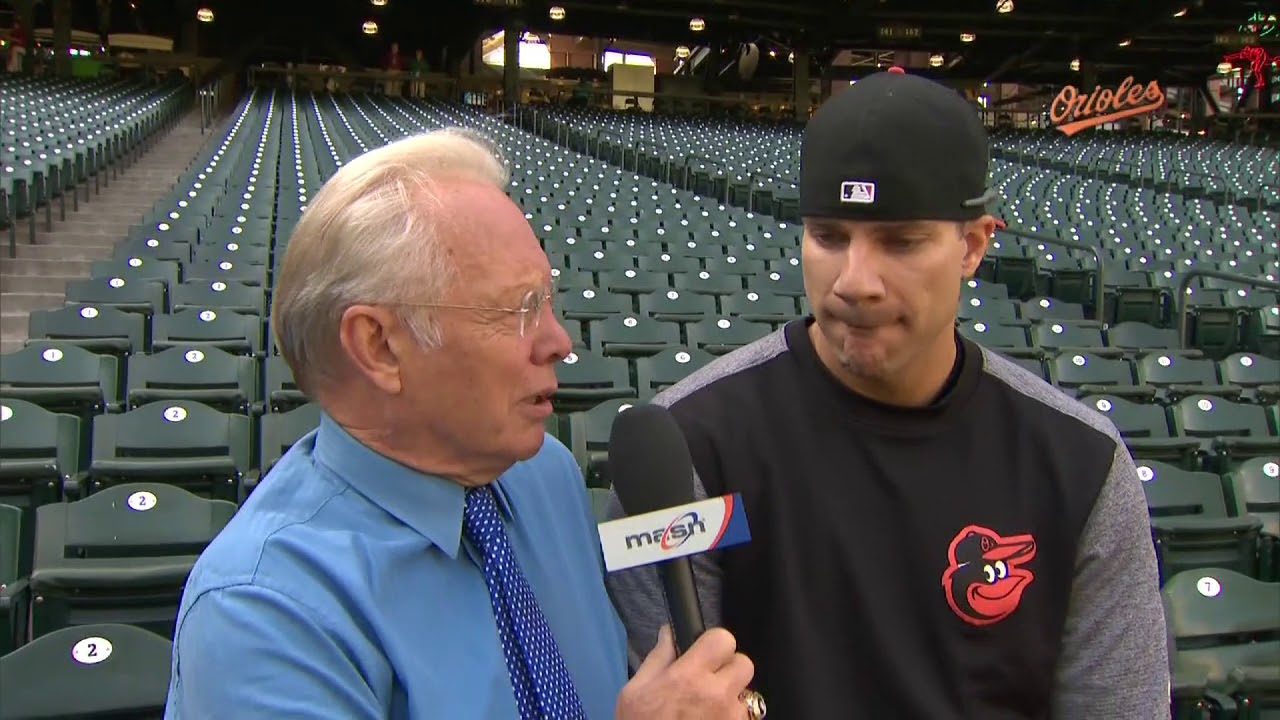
[651, 470]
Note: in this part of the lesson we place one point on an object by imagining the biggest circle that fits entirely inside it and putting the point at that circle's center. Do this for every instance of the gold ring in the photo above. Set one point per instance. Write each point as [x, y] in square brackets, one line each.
[755, 704]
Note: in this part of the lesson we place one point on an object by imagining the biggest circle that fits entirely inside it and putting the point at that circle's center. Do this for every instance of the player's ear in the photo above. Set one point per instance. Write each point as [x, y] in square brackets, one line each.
[977, 236]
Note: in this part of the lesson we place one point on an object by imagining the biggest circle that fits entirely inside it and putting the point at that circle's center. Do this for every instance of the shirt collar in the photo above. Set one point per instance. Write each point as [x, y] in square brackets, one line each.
[430, 504]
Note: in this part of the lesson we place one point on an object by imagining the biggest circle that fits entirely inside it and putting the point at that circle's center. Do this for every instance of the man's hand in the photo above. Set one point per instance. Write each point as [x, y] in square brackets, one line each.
[703, 684]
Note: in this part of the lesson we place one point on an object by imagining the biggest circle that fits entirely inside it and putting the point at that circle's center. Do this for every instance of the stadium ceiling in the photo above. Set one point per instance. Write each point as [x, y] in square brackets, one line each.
[1035, 41]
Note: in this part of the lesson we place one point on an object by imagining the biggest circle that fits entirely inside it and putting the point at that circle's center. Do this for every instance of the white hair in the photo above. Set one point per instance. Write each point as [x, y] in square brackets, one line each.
[372, 235]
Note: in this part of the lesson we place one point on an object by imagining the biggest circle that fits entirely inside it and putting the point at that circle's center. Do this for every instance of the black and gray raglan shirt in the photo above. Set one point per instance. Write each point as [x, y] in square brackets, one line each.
[986, 557]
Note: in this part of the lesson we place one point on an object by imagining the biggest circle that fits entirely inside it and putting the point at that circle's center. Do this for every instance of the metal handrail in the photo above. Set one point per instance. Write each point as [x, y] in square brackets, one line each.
[1185, 282]
[1099, 290]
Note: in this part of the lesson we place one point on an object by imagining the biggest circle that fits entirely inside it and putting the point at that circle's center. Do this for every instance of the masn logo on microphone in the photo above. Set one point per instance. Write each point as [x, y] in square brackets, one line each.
[697, 527]
[673, 535]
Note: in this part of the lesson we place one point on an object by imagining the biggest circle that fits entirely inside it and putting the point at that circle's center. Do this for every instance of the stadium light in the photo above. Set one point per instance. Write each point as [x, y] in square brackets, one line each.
[369, 27]
[1224, 67]
[204, 15]
[935, 60]
[682, 52]
[1180, 13]
[1075, 64]
[379, 3]
[967, 37]
[1125, 42]
[1004, 7]
[556, 12]
[697, 24]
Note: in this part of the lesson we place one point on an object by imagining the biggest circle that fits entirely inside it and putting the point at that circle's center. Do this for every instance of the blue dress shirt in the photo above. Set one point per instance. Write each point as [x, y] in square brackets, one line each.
[344, 589]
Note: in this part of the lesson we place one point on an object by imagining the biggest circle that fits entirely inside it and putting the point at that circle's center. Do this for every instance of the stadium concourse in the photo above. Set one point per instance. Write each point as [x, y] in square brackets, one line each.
[138, 415]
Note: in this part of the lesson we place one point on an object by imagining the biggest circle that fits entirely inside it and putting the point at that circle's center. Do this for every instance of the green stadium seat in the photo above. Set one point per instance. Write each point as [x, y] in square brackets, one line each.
[146, 297]
[1253, 488]
[592, 304]
[760, 307]
[181, 442]
[280, 430]
[15, 566]
[1191, 523]
[1223, 621]
[1230, 432]
[587, 378]
[105, 329]
[672, 305]
[660, 371]
[1177, 377]
[705, 282]
[282, 391]
[220, 296]
[1258, 376]
[61, 377]
[1086, 373]
[103, 670]
[632, 335]
[1141, 338]
[120, 555]
[40, 453]
[720, 335]
[230, 331]
[1146, 430]
[667, 263]
[203, 374]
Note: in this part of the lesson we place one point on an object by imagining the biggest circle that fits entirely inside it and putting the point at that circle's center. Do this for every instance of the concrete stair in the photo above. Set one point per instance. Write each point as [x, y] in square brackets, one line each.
[36, 279]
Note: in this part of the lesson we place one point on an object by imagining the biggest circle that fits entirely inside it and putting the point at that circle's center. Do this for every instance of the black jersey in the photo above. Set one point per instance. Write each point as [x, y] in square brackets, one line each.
[988, 556]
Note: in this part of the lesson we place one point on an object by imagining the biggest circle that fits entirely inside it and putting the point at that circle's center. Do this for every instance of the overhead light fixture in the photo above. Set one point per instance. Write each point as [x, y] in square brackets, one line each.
[379, 3]
[682, 52]
[1125, 42]
[967, 37]
[773, 53]
[1004, 7]
[204, 15]
[791, 57]
[529, 37]
[556, 12]
[369, 27]
[1180, 13]
[697, 24]
[1225, 67]
[936, 60]
[1075, 64]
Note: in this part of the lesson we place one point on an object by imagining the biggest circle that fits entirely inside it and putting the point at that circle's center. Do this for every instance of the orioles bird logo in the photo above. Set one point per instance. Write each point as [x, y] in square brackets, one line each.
[986, 578]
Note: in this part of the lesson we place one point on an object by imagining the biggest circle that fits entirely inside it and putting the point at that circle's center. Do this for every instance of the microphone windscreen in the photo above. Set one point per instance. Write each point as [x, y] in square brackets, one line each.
[649, 462]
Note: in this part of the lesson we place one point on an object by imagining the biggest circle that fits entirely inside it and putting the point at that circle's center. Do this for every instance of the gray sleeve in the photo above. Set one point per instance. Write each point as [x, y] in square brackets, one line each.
[1115, 657]
[638, 595]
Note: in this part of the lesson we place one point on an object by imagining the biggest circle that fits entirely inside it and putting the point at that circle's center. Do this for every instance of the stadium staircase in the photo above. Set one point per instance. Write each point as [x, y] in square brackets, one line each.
[36, 278]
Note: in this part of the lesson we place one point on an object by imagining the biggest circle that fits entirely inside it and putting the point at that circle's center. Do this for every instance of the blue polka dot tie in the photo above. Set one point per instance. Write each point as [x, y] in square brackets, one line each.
[543, 688]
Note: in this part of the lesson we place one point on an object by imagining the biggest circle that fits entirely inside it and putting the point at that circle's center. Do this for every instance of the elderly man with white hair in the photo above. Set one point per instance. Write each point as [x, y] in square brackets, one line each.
[428, 551]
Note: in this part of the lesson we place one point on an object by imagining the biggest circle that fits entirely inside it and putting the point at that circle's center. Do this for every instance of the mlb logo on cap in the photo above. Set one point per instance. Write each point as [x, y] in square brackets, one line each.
[857, 191]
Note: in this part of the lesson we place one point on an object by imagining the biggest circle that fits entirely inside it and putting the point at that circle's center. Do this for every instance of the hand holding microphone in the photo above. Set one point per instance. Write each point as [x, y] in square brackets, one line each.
[692, 672]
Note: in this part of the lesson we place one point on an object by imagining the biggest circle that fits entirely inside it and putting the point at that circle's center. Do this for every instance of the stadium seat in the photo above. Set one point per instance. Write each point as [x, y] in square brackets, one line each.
[280, 430]
[15, 565]
[105, 329]
[62, 378]
[1224, 623]
[1146, 430]
[181, 441]
[120, 555]
[103, 670]
[203, 374]
[1191, 523]
[587, 378]
[40, 453]
[1253, 488]
[1229, 432]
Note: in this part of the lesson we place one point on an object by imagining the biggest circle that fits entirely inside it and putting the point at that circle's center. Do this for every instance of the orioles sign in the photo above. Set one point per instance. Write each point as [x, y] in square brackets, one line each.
[1073, 111]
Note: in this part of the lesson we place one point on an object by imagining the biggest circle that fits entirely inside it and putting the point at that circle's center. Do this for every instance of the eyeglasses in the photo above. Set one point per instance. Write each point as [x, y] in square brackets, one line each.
[529, 311]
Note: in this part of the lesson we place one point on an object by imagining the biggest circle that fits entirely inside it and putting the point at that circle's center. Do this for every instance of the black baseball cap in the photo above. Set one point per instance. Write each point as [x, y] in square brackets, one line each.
[895, 147]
